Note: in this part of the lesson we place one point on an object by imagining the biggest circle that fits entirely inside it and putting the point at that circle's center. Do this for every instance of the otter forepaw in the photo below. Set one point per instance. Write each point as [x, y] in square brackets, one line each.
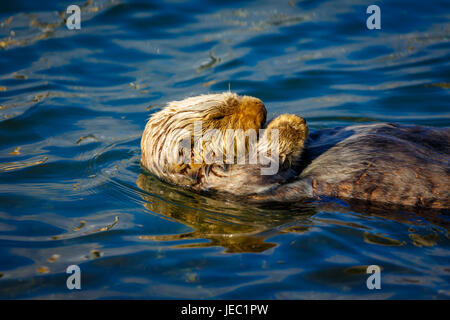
[292, 134]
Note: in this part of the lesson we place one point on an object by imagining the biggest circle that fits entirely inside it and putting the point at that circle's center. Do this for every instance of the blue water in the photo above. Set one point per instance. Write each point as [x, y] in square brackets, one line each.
[73, 104]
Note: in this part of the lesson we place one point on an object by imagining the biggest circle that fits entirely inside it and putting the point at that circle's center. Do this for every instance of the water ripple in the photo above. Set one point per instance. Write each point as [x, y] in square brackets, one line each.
[73, 105]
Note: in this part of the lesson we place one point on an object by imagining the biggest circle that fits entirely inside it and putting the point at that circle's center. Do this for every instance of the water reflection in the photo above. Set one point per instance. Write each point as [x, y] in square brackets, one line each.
[239, 227]
[231, 225]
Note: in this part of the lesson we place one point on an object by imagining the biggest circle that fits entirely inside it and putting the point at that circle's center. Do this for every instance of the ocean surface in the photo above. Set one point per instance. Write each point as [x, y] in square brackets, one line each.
[73, 104]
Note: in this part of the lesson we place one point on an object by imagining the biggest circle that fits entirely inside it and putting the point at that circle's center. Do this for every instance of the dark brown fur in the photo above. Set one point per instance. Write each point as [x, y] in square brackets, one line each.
[384, 163]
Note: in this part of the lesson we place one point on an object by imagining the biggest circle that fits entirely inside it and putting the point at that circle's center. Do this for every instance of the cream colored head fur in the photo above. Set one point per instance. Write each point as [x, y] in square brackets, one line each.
[178, 125]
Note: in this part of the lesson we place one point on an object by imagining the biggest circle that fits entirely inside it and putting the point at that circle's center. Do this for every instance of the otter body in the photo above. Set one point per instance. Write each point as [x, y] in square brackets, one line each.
[380, 163]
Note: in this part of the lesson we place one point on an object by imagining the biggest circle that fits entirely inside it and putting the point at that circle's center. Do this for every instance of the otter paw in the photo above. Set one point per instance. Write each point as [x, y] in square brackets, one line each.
[292, 133]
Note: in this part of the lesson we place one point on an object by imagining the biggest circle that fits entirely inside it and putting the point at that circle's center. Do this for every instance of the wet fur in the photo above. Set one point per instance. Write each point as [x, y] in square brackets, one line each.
[379, 163]
[221, 112]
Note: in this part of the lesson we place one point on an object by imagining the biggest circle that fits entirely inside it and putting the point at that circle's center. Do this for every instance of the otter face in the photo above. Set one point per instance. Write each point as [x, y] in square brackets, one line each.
[178, 125]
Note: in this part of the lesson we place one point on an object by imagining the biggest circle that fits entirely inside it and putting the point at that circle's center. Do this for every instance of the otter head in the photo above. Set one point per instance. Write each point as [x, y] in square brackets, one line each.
[175, 136]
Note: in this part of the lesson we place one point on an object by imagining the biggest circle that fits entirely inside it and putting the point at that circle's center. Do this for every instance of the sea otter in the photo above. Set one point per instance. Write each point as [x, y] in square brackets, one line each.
[379, 163]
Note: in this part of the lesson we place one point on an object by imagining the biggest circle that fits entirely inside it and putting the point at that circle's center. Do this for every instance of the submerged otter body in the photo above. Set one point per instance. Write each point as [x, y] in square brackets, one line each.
[380, 163]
